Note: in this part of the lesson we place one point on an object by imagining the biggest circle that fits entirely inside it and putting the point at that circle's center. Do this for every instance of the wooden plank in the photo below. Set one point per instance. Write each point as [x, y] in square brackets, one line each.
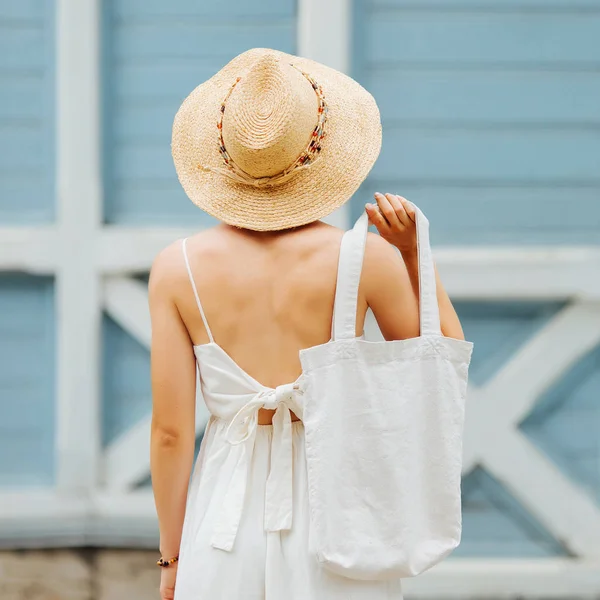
[27, 111]
[484, 96]
[17, 10]
[78, 288]
[29, 249]
[26, 199]
[484, 154]
[27, 399]
[199, 39]
[22, 47]
[184, 9]
[500, 273]
[136, 82]
[154, 203]
[486, 5]
[483, 38]
[22, 96]
[26, 143]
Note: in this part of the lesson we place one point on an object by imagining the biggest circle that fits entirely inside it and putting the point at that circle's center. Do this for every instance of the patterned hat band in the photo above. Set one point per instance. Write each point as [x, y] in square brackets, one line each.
[306, 157]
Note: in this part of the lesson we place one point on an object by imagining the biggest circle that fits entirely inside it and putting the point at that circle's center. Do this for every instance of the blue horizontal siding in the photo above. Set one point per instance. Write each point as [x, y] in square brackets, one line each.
[495, 5]
[483, 37]
[126, 392]
[155, 53]
[27, 380]
[490, 115]
[126, 9]
[27, 111]
[510, 155]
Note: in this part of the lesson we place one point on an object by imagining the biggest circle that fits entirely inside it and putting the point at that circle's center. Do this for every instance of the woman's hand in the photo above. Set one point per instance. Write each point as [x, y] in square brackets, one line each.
[394, 217]
[167, 582]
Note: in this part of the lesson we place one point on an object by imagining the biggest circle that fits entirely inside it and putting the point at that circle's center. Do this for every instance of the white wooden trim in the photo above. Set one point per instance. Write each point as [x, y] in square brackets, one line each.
[324, 34]
[503, 273]
[478, 272]
[122, 250]
[31, 249]
[457, 579]
[79, 201]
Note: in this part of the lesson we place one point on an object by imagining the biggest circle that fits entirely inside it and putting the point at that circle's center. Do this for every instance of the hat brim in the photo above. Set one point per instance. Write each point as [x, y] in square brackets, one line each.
[349, 151]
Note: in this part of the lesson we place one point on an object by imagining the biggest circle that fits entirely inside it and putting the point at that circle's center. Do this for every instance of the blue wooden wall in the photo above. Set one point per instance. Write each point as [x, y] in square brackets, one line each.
[490, 114]
[26, 111]
[155, 54]
[27, 380]
[27, 336]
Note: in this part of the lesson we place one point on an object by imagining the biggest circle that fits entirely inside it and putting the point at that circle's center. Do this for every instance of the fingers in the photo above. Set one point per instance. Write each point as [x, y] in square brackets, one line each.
[386, 207]
[409, 209]
[397, 211]
[399, 204]
[376, 218]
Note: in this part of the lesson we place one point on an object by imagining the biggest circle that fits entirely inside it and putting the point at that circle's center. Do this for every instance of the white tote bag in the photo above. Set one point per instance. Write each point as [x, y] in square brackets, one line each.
[383, 425]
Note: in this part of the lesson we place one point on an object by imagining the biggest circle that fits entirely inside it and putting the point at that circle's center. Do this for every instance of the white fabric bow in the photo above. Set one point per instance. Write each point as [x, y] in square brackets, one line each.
[241, 432]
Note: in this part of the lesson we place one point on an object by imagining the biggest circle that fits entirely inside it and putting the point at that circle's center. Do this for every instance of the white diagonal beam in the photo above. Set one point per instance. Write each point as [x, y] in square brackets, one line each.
[493, 439]
[565, 510]
[532, 370]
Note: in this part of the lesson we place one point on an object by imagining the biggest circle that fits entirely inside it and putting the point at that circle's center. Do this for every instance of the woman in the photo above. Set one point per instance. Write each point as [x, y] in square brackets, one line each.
[269, 145]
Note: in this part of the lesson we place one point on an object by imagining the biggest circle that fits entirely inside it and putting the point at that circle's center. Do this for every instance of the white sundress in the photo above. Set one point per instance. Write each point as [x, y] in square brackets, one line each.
[246, 529]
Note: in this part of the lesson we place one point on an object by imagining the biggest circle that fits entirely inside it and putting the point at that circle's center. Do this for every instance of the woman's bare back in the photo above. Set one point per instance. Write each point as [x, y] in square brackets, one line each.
[266, 296]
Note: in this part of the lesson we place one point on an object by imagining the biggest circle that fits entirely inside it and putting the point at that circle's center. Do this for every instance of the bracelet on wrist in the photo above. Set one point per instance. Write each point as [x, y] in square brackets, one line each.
[163, 562]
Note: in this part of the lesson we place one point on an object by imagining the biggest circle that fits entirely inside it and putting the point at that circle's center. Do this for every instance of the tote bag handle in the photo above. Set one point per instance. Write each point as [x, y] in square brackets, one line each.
[352, 252]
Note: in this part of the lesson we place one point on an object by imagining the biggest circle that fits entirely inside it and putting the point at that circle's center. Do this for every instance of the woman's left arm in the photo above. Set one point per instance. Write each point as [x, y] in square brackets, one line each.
[173, 375]
[395, 219]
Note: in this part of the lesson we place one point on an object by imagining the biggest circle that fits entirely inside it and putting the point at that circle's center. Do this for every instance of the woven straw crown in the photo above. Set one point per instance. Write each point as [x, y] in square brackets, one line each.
[274, 141]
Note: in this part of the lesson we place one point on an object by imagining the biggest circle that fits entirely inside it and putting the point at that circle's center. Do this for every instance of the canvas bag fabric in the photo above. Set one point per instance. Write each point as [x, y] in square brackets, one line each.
[383, 425]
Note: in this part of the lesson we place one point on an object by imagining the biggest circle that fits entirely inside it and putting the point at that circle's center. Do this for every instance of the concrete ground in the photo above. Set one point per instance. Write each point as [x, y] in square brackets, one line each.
[79, 574]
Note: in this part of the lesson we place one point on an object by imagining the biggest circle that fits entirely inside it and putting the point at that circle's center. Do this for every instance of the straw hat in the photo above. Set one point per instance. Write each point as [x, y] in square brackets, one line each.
[274, 141]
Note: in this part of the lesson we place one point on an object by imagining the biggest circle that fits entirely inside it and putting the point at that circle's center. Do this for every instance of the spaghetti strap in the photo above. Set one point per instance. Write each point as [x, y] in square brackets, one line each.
[189, 270]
